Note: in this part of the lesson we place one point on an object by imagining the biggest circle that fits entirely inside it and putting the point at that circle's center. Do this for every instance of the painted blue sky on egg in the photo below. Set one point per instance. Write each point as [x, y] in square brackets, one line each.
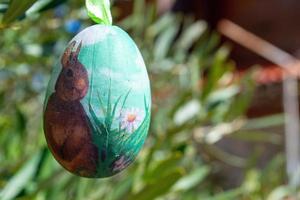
[114, 64]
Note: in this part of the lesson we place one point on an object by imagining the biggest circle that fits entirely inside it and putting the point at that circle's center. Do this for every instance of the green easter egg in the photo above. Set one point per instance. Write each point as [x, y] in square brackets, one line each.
[97, 106]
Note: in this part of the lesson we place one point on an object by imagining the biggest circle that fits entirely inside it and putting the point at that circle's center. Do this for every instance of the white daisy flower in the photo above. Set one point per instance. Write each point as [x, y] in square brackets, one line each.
[131, 119]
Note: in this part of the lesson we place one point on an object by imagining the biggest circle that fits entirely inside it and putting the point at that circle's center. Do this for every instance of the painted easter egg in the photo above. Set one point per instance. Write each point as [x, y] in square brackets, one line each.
[97, 107]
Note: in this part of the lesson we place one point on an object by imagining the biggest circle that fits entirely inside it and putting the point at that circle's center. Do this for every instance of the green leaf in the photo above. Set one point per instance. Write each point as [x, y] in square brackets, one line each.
[161, 186]
[3, 7]
[163, 167]
[192, 180]
[264, 122]
[99, 11]
[21, 120]
[279, 193]
[160, 25]
[216, 71]
[165, 41]
[16, 9]
[121, 189]
[228, 195]
[191, 35]
[21, 179]
[252, 181]
[45, 5]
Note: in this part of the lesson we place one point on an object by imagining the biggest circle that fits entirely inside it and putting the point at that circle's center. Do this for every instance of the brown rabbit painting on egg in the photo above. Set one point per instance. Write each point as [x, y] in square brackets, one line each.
[66, 124]
[97, 108]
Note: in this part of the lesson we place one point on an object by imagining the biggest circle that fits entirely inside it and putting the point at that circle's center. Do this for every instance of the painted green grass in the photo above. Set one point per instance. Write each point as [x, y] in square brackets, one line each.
[114, 142]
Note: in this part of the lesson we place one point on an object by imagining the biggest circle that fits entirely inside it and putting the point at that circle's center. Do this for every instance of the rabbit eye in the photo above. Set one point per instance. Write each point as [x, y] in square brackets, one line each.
[69, 73]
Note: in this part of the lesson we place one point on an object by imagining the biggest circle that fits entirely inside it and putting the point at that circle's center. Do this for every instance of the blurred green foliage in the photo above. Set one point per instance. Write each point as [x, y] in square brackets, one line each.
[196, 102]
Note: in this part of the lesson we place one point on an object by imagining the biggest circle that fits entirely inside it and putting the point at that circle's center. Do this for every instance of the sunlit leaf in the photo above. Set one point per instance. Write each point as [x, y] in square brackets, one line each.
[21, 179]
[161, 186]
[164, 41]
[227, 195]
[16, 9]
[280, 193]
[99, 11]
[3, 7]
[121, 189]
[192, 179]
[163, 167]
[191, 35]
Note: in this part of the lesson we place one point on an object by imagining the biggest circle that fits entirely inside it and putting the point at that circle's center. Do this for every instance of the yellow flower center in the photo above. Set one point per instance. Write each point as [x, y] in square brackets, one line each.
[131, 118]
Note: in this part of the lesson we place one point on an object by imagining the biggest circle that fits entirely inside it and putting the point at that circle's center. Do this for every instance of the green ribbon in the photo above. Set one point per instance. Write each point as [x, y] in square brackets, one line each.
[99, 11]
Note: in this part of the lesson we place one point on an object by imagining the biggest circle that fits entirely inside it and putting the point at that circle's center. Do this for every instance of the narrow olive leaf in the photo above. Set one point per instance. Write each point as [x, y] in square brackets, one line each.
[279, 193]
[19, 181]
[165, 41]
[16, 9]
[163, 167]
[190, 36]
[50, 4]
[99, 11]
[121, 189]
[229, 194]
[3, 7]
[160, 187]
[192, 180]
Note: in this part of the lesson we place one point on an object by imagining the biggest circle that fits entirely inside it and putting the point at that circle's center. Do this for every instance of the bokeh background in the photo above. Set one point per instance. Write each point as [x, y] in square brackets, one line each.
[218, 127]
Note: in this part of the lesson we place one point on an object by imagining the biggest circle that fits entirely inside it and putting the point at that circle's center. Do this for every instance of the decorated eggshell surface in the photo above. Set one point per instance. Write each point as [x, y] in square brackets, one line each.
[97, 107]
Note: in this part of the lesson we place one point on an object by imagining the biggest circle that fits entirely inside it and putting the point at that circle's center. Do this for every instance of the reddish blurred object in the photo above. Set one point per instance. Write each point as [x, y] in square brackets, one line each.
[274, 20]
[269, 74]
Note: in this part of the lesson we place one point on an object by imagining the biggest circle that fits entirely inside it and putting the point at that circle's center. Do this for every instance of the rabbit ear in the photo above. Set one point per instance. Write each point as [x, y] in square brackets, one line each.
[66, 56]
[78, 50]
